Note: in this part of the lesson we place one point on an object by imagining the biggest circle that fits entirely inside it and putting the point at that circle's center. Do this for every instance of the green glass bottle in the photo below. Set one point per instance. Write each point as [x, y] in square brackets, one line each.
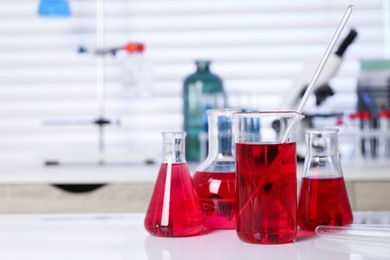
[202, 90]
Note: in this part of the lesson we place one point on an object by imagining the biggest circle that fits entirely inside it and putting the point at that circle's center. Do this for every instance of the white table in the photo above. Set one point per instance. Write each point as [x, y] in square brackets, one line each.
[122, 237]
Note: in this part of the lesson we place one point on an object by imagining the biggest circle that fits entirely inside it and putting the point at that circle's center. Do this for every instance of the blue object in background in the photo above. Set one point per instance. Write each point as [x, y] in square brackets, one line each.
[54, 8]
[202, 90]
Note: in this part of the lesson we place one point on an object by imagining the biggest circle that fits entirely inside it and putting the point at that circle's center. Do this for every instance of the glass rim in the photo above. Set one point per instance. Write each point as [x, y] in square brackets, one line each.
[222, 111]
[174, 133]
[323, 130]
[253, 114]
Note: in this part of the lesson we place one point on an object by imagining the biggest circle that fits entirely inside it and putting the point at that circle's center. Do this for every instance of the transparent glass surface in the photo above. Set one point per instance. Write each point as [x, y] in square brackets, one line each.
[266, 177]
[215, 178]
[174, 209]
[323, 197]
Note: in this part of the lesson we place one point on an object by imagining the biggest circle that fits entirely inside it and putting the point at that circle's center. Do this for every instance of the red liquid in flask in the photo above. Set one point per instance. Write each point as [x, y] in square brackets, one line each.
[323, 201]
[217, 196]
[266, 193]
[178, 212]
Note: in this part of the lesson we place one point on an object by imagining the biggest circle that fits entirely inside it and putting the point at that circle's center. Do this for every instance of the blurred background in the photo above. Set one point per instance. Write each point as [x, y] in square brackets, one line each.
[49, 89]
[96, 81]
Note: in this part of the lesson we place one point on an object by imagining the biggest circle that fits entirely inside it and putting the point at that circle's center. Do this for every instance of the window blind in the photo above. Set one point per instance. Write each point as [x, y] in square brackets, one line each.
[48, 90]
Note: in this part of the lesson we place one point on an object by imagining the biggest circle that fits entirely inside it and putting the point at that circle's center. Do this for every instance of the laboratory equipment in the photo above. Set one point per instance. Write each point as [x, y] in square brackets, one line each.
[368, 141]
[266, 177]
[202, 90]
[130, 47]
[365, 135]
[373, 96]
[174, 209]
[373, 90]
[323, 197]
[357, 232]
[384, 134]
[354, 130]
[320, 87]
[137, 80]
[258, 150]
[137, 73]
[215, 178]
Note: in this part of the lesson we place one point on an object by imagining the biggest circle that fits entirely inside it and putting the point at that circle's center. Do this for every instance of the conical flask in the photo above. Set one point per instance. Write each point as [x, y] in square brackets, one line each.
[323, 198]
[215, 178]
[174, 209]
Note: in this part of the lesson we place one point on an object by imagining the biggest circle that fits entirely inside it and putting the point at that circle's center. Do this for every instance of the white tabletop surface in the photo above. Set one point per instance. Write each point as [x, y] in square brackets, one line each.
[122, 237]
[374, 170]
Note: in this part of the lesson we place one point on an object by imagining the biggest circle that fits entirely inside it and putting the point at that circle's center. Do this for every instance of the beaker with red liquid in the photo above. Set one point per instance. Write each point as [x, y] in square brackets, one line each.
[174, 209]
[323, 197]
[215, 178]
[266, 177]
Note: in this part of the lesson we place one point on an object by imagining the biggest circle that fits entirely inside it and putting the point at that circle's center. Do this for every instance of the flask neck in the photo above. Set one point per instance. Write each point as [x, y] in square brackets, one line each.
[322, 158]
[173, 147]
[322, 142]
[203, 66]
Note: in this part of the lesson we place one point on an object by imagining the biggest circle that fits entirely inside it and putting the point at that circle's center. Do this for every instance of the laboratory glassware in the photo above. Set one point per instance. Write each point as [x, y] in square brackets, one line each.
[266, 177]
[174, 209]
[215, 178]
[384, 134]
[323, 197]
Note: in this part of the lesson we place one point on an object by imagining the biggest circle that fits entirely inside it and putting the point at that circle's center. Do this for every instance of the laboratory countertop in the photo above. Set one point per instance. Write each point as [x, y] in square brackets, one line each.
[123, 237]
[144, 173]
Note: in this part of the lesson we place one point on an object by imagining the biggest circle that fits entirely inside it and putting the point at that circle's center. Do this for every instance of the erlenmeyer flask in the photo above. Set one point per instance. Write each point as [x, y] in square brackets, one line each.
[215, 178]
[174, 209]
[323, 198]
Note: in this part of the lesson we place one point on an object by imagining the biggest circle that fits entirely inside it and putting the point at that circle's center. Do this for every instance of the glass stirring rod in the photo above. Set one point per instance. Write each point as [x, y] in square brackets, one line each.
[318, 71]
[367, 233]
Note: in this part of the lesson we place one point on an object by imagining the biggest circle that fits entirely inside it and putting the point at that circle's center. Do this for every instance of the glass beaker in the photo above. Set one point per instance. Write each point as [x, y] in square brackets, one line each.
[215, 178]
[368, 141]
[174, 209]
[266, 177]
[323, 198]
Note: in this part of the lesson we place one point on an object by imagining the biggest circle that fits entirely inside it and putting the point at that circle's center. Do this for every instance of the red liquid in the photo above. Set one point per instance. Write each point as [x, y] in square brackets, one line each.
[184, 216]
[323, 201]
[217, 196]
[266, 193]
